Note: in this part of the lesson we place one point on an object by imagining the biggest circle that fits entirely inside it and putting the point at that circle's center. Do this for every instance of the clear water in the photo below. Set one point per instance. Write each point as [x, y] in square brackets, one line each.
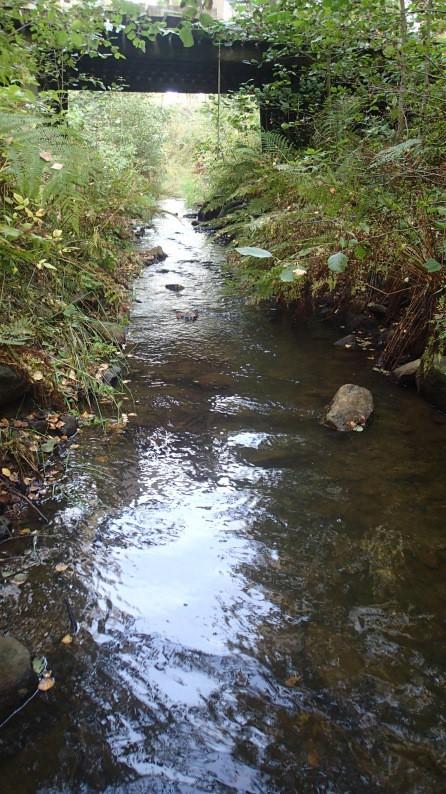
[261, 600]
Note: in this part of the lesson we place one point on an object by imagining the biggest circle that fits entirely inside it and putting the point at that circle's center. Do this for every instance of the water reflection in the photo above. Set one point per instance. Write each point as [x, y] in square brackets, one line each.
[260, 600]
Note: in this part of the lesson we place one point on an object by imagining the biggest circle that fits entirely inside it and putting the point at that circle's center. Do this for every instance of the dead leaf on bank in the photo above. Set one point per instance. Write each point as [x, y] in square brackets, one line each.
[6, 472]
[67, 639]
[24, 531]
[45, 684]
[37, 375]
[57, 166]
[61, 567]
[47, 156]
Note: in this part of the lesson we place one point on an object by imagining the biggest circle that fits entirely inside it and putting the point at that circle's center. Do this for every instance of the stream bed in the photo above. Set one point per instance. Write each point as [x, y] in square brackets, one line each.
[260, 599]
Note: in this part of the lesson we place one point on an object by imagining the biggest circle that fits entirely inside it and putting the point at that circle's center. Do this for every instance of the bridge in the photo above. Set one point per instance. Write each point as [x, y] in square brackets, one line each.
[166, 65]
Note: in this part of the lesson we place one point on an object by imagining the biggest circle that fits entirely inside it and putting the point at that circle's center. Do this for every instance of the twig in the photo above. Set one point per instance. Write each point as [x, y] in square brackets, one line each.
[15, 491]
[17, 710]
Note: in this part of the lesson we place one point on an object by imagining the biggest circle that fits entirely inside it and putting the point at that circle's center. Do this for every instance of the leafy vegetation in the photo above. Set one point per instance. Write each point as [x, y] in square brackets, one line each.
[348, 190]
[71, 180]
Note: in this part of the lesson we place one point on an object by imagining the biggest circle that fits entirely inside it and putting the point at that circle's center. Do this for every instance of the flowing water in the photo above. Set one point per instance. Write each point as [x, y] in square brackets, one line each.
[260, 599]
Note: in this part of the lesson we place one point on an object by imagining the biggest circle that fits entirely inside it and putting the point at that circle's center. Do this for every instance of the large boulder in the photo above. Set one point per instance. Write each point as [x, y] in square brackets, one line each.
[13, 384]
[15, 670]
[431, 381]
[406, 374]
[350, 408]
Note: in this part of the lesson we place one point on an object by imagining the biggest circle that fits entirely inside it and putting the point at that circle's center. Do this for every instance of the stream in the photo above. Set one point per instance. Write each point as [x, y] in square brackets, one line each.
[260, 599]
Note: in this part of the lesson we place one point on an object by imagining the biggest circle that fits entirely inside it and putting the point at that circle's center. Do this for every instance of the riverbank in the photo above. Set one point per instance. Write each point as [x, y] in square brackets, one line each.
[363, 247]
[69, 372]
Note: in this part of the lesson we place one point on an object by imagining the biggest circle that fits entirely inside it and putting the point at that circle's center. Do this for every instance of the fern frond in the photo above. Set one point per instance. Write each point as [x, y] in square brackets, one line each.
[394, 153]
[275, 144]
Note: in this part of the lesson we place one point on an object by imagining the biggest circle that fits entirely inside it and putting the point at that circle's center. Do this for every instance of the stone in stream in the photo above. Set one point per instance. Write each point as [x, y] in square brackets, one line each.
[174, 287]
[187, 316]
[70, 425]
[13, 384]
[348, 341]
[15, 670]
[151, 255]
[407, 373]
[350, 408]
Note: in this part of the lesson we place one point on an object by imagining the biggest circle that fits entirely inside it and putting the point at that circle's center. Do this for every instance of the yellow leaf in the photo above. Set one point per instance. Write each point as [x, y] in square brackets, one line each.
[6, 472]
[61, 567]
[67, 639]
[18, 198]
[57, 234]
[24, 531]
[37, 375]
[45, 684]
[40, 213]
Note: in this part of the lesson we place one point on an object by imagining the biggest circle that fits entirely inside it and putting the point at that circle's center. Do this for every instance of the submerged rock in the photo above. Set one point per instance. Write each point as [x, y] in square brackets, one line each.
[174, 287]
[13, 384]
[350, 408]
[15, 669]
[407, 373]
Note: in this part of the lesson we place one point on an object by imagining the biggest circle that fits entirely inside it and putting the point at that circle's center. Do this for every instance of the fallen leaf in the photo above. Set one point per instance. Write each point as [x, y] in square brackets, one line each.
[57, 166]
[67, 639]
[25, 531]
[61, 567]
[45, 684]
[37, 375]
[6, 472]
[47, 156]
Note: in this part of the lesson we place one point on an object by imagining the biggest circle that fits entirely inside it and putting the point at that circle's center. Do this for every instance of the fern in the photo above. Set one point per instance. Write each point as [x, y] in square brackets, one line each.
[395, 153]
[31, 176]
[16, 333]
[276, 145]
